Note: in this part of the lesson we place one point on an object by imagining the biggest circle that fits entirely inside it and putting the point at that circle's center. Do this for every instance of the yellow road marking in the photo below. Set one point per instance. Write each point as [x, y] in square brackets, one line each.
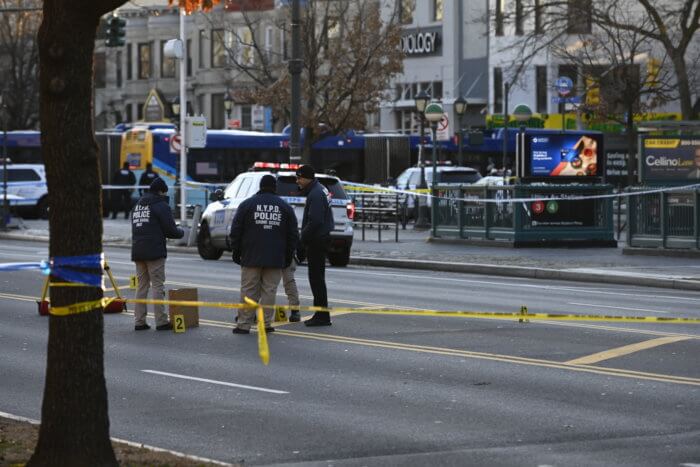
[625, 350]
[455, 352]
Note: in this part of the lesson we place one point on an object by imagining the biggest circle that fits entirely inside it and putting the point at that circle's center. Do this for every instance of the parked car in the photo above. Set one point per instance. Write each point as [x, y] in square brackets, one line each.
[26, 189]
[410, 179]
[215, 226]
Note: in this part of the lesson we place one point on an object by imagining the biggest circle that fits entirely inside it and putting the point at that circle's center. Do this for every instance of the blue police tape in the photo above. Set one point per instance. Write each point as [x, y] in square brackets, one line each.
[62, 267]
[42, 265]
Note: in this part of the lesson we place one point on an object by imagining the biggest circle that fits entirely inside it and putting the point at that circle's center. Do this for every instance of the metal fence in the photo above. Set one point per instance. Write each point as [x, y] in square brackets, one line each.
[467, 212]
[669, 219]
[380, 211]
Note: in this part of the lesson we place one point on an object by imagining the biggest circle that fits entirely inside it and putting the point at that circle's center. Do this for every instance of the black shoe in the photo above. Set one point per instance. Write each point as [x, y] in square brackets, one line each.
[269, 329]
[294, 316]
[165, 327]
[142, 327]
[240, 331]
[317, 322]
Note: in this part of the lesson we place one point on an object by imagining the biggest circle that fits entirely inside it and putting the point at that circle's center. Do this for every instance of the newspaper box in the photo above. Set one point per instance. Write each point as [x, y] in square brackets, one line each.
[190, 313]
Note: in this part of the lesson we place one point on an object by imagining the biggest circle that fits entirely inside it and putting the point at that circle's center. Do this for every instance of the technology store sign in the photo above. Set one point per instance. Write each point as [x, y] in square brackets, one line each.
[670, 159]
[418, 42]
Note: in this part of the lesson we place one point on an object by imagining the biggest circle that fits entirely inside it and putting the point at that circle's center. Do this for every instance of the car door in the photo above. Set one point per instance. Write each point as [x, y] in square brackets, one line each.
[218, 228]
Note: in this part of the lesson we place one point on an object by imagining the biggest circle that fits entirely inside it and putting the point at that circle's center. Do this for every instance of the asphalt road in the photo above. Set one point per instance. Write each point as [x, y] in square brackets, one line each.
[389, 390]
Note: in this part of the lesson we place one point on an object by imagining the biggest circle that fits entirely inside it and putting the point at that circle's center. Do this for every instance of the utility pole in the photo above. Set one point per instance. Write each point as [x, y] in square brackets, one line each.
[506, 90]
[295, 72]
[183, 116]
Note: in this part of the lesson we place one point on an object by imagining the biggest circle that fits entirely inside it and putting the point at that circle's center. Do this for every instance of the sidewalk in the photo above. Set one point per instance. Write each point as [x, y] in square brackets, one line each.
[414, 251]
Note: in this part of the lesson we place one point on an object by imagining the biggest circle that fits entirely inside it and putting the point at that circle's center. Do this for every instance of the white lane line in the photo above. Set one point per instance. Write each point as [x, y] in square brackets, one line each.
[212, 381]
[617, 307]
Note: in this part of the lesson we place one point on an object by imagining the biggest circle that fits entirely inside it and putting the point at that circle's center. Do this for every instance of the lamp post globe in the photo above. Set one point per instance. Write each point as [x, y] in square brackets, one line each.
[175, 106]
[228, 104]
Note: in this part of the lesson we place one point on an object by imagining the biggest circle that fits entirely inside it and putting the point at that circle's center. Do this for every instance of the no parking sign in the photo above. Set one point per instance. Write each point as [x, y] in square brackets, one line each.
[175, 143]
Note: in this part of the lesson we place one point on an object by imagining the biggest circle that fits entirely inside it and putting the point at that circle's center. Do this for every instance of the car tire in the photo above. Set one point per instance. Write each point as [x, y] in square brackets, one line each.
[339, 258]
[42, 208]
[204, 247]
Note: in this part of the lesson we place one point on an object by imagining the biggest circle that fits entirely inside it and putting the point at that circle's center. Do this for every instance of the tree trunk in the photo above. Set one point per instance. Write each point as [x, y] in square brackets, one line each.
[683, 82]
[631, 143]
[75, 423]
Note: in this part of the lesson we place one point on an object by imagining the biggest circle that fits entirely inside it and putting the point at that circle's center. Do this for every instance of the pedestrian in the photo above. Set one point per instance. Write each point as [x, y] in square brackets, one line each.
[151, 223]
[264, 236]
[121, 200]
[291, 290]
[147, 178]
[316, 228]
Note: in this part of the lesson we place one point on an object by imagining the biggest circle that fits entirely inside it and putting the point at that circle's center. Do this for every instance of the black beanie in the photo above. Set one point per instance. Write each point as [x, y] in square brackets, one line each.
[158, 186]
[306, 171]
[268, 183]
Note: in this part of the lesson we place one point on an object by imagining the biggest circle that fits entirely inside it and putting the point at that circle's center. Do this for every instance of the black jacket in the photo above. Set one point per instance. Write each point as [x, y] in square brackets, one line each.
[124, 177]
[151, 223]
[318, 220]
[146, 179]
[264, 232]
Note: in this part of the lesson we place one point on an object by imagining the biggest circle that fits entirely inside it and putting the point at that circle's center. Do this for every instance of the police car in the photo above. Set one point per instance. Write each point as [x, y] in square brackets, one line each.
[213, 237]
[26, 189]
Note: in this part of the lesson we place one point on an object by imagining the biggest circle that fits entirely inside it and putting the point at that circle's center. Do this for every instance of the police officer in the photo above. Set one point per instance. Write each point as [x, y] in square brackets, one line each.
[147, 178]
[263, 239]
[122, 197]
[151, 223]
[316, 228]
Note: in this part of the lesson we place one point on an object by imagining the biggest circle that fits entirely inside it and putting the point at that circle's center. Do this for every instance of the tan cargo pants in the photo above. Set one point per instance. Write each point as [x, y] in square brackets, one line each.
[259, 284]
[150, 274]
[290, 285]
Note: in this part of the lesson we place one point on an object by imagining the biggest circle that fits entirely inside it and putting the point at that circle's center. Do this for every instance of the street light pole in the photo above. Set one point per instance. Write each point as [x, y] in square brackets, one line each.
[295, 72]
[460, 107]
[434, 113]
[5, 201]
[421, 101]
[183, 114]
[506, 90]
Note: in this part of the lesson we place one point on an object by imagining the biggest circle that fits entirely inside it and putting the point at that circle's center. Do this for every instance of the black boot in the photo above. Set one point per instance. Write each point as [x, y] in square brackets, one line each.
[294, 316]
[320, 318]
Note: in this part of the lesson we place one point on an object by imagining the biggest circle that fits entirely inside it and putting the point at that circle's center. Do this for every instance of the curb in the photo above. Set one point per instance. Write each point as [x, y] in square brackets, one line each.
[527, 272]
[466, 268]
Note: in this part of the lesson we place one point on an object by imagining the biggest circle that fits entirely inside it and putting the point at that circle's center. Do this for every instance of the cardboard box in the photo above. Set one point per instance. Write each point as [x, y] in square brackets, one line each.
[191, 313]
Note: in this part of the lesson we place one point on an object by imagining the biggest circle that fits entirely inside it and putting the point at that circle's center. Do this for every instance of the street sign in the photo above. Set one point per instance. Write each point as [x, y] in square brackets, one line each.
[538, 207]
[564, 86]
[443, 128]
[234, 123]
[175, 143]
[566, 100]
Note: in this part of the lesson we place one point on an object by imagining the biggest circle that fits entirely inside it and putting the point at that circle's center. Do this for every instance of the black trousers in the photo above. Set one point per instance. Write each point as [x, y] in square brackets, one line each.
[121, 202]
[316, 257]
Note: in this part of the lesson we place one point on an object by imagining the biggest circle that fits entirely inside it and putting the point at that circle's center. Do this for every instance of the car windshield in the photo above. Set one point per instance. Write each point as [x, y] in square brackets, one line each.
[287, 186]
[454, 176]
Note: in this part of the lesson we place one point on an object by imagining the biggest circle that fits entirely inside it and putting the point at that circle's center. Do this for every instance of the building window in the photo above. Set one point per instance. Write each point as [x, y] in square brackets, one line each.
[129, 62]
[497, 90]
[283, 45]
[218, 49]
[246, 117]
[100, 70]
[127, 110]
[167, 65]
[519, 18]
[145, 61]
[218, 111]
[119, 68]
[188, 52]
[268, 43]
[202, 54]
[139, 111]
[406, 10]
[438, 10]
[541, 84]
[246, 52]
[579, 17]
[499, 17]
[539, 17]
[437, 90]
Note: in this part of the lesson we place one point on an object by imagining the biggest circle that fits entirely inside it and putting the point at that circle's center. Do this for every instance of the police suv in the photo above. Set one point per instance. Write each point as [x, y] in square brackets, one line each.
[26, 189]
[215, 226]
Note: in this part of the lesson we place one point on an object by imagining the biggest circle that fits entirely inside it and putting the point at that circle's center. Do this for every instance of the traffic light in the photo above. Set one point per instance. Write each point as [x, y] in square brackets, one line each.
[115, 31]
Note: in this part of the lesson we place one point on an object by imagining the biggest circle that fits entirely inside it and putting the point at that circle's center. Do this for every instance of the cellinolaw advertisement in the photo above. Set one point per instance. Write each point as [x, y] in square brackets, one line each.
[669, 158]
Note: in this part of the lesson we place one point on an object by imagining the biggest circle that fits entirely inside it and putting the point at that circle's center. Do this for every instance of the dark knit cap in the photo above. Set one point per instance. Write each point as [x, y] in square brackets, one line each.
[268, 183]
[158, 186]
[306, 171]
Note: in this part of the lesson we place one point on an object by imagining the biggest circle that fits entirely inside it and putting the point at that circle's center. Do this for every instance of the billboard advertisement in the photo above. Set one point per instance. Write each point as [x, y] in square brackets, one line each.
[670, 159]
[565, 155]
